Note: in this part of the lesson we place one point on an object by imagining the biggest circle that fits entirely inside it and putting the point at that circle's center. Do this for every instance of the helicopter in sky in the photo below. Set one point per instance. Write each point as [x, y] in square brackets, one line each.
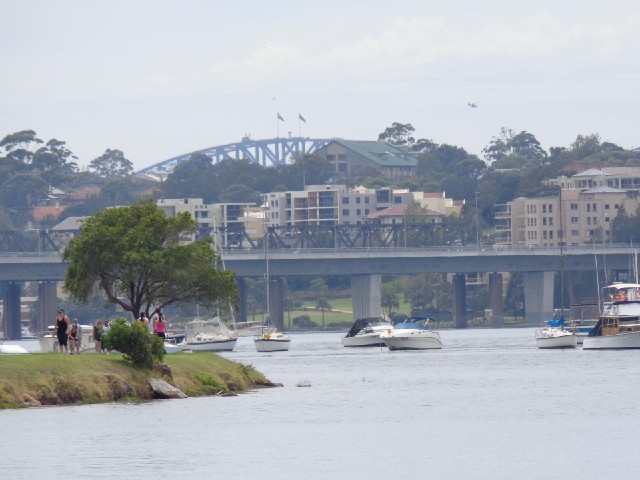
[472, 104]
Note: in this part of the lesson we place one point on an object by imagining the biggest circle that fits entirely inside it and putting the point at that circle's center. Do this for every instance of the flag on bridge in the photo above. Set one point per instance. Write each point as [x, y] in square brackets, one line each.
[280, 117]
[300, 117]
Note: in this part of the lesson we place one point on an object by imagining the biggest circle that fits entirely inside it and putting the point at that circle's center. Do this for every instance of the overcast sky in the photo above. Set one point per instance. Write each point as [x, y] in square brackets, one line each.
[160, 78]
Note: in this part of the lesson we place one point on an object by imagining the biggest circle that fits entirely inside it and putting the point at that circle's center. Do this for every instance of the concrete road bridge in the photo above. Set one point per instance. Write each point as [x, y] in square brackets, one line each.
[365, 267]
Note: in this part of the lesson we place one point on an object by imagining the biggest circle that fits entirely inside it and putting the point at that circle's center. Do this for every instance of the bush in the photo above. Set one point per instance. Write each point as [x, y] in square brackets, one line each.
[136, 344]
[303, 321]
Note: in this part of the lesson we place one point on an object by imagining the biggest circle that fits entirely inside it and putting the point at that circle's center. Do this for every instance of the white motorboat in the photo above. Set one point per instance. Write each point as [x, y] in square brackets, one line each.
[412, 334]
[272, 342]
[208, 336]
[618, 325]
[365, 332]
[554, 335]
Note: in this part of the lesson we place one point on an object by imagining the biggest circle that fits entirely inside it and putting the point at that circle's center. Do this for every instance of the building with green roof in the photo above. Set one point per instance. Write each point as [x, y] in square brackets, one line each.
[355, 158]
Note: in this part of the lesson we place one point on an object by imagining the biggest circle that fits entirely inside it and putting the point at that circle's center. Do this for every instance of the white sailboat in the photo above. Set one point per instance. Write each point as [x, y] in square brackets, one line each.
[269, 339]
[554, 334]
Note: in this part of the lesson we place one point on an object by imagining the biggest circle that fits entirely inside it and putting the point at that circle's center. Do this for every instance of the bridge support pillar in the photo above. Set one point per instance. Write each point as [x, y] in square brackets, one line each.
[276, 302]
[11, 315]
[538, 296]
[459, 300]
[241, 311]
[496, 299]
[47, 305]
[365, 295]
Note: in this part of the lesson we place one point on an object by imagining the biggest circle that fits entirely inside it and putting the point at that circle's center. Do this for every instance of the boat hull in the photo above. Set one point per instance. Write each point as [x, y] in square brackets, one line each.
[365, 340]
[564, 341]
[209, 346]
[412, 341]
[274, 342]
[621, 341]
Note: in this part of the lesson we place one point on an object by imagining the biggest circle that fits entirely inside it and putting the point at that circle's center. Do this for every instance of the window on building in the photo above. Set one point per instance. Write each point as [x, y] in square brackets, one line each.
[345, 200]
[366, 199]
[544, 220]
[588, 220]
[345, 212]
[575, 233]
[397, 199]
[550, 220]
[358, 212]
[574, 219]
[606, 206]
[595, 207]
[357, 199]
[342, 167]
[544, 208]
[574, 206]
[366, 211]
[588, 207]
[544, 234]
[550, 234]
[550, 208]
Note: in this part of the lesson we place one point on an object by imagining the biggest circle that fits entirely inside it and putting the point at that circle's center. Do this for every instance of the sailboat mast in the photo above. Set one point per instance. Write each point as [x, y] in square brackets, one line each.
[266, 257]
[561, 259]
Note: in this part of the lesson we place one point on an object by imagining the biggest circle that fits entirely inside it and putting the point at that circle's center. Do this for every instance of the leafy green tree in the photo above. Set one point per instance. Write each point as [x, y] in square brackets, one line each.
[136, 344]
[194, 178]
[112, 163]
[323, 305]
[398, 134]
[134, 256]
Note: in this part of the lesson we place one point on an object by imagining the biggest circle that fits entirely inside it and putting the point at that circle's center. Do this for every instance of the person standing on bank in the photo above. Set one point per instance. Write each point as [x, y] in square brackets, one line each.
[159, 324]
[74, 337]
[97, 335]
[61, 328]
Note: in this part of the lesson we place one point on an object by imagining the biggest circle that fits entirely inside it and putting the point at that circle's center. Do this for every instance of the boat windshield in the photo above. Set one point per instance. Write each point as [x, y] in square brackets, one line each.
[363, 323]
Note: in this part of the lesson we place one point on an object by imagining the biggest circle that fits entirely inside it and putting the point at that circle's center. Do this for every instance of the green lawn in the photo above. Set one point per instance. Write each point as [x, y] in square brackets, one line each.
[341, 312]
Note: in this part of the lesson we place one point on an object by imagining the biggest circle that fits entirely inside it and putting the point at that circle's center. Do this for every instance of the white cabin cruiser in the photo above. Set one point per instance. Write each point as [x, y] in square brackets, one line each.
[618, 325]
[365, 332]
[412, 334]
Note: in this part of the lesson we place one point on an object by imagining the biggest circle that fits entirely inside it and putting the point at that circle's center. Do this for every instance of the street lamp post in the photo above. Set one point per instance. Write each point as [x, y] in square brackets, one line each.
[477, 224]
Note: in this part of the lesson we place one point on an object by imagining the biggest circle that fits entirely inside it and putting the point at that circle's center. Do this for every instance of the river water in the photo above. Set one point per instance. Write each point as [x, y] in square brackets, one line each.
[489, 405]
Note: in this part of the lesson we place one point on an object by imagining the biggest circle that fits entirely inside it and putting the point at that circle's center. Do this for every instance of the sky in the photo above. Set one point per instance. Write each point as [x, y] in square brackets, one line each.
[162, 78]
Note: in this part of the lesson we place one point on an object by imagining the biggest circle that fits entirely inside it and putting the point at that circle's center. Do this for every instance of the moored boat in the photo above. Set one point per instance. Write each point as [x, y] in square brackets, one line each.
[412, 334]
[365, 332]
[554, 335]
[618, 325]
[208, 336]
[272, 342]
[270, 339]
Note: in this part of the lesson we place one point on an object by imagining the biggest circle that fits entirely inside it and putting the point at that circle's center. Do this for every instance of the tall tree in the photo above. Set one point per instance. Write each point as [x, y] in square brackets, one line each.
[400, 134]
[134, 256]
[112, 163]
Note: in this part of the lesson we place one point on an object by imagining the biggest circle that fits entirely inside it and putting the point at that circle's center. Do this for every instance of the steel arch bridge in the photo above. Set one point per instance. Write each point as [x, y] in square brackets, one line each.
[272, 152]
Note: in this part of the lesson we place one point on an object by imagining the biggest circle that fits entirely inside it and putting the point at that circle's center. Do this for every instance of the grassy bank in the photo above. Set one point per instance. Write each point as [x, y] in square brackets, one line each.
[56, 379]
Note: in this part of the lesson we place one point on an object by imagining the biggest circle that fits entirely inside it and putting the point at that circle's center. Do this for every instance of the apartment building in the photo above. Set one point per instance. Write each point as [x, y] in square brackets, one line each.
[229, 223]
[332, 205]
[585, 216]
